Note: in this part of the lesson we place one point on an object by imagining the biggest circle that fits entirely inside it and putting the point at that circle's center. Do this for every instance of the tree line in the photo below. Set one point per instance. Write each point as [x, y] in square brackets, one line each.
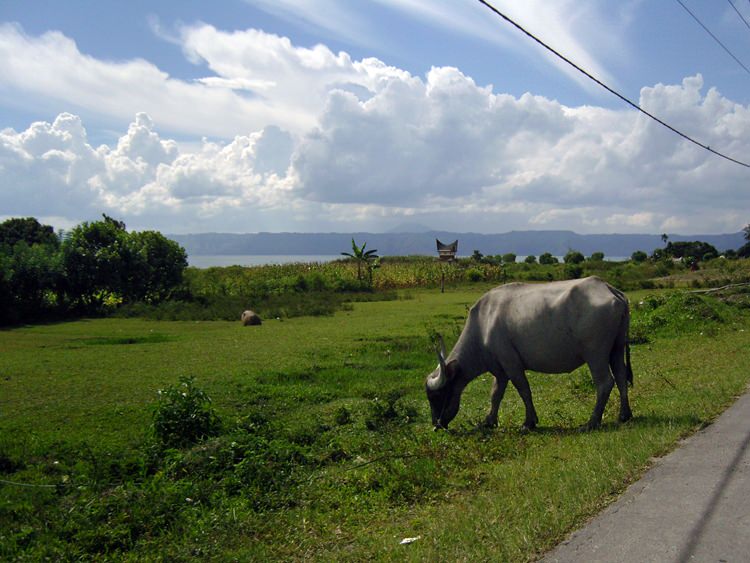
[690, 252]
[93, 266]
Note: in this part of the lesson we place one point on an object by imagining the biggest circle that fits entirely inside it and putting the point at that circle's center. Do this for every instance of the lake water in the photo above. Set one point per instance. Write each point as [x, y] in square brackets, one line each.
[209, 261]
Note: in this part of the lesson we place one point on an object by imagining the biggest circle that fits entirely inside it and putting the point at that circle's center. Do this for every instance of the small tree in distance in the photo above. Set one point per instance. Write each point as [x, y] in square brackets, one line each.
[546, 259]
[362, 257]
[574, 257]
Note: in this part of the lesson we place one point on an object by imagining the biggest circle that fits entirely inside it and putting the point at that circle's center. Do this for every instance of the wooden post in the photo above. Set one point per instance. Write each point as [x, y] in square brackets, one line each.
[446, 253]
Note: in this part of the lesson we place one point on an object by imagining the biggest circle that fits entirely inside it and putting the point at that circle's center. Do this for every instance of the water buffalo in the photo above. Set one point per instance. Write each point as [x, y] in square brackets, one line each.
[250, 318]
[551, 328]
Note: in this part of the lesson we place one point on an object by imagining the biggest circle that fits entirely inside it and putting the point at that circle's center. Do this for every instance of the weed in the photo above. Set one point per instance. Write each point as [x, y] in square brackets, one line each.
[381, 413]
[184, 415]
[342, 416]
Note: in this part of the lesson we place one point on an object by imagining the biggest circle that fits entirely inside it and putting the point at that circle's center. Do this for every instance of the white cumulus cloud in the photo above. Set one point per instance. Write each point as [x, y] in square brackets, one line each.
[312, 139]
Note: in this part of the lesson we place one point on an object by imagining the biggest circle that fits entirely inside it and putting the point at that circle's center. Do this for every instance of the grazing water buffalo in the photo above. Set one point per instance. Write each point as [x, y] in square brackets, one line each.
[552, 328]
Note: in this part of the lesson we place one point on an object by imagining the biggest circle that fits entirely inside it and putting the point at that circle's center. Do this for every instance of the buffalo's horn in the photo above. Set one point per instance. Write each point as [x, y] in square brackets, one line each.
[437, 382]
[442, 345]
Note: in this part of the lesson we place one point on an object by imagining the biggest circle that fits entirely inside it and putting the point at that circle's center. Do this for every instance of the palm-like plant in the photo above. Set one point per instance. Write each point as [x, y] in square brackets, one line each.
[362, 256]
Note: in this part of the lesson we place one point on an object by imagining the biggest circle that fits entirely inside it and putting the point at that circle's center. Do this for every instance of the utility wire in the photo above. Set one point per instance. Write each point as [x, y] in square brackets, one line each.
[610, 90]
[738, 13]
[739, 62]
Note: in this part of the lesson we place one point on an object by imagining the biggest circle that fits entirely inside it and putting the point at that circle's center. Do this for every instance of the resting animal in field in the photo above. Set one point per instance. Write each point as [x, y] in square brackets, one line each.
[551, 328]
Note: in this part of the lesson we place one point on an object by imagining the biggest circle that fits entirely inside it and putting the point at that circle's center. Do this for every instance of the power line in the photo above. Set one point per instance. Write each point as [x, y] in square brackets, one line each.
[739, 62]
[739, 14]
[610, 90]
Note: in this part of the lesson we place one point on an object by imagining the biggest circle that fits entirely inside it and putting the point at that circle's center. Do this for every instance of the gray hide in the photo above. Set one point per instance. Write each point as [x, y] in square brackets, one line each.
[551, 328]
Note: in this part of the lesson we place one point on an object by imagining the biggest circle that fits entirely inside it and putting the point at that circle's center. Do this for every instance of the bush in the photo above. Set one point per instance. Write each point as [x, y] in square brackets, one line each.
[573, 271]
[474, 275]
[573, 257]
[184, 415]
[547, 259]
[392, 409]
[509, 258]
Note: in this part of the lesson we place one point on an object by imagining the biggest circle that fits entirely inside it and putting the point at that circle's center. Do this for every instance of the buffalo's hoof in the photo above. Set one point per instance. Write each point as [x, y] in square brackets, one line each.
[589, 426]
[625, 416]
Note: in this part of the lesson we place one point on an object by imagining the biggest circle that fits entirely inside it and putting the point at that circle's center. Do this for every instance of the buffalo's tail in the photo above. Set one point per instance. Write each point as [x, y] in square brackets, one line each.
[629, 372]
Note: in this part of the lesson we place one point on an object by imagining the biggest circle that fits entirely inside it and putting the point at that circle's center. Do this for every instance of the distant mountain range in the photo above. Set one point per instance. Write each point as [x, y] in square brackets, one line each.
[521, 243]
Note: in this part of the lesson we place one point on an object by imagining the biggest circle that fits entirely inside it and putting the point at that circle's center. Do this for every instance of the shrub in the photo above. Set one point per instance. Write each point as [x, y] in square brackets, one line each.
[573, 257]
[391, 409]
[573, 271]
[342, 416]
[474, 275]
[509, 258]
[547, 259]
[184, 415]
[638, 256]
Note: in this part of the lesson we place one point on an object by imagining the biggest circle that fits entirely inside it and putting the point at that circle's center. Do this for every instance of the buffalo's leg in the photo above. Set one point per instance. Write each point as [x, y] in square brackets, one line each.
[519, 381]
[604, 382]
[620, 371]
[499, 384]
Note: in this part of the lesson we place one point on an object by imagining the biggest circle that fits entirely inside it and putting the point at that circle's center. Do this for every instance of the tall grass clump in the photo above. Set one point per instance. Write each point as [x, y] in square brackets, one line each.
[676, 313]
[184, 415]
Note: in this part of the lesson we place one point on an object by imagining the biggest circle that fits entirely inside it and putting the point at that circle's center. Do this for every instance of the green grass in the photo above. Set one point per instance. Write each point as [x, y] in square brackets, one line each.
[326, 451]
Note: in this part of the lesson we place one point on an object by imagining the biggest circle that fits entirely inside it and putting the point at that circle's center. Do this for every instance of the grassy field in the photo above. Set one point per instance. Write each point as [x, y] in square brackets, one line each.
[325, 450]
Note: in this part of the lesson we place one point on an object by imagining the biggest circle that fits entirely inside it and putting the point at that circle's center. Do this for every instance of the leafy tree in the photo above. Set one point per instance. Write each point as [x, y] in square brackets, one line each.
[573, 257]
[29, 276]
[697, 250]
[744, 251]
[95, 257]
[530, 259]
[28, 230]
[746, 231]
[477, 256]
[362, 257]
[156, 267]
[597, 257]
[638, 256]
[547, 259]
[30, 270]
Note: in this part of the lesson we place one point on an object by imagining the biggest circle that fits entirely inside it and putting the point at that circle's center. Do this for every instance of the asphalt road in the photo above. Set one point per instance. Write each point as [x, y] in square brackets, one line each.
[692, 505]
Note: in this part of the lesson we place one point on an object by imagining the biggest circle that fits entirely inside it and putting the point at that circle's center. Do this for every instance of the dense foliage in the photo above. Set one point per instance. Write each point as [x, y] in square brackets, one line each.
[96, 265]
[100, 267]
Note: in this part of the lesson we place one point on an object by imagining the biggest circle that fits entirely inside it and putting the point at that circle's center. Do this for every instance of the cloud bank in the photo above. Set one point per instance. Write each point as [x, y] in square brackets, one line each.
[314, 140]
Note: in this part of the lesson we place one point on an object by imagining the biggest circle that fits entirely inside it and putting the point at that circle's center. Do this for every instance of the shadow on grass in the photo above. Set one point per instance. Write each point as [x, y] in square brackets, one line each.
[692, 421]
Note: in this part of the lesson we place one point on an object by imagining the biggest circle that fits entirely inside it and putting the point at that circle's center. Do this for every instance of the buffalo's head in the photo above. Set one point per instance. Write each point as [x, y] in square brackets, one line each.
[444, 389]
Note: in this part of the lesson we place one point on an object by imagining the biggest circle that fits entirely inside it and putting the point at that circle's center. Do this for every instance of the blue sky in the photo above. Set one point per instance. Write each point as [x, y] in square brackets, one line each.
[343, 115]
